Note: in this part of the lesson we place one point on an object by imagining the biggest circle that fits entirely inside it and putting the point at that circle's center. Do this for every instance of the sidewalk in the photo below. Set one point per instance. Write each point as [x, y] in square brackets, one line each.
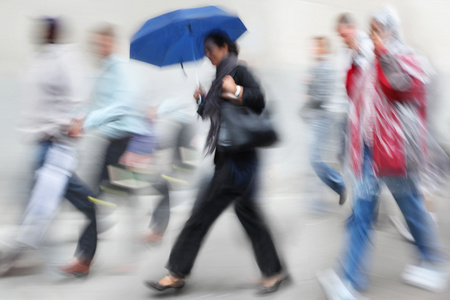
[308, 243]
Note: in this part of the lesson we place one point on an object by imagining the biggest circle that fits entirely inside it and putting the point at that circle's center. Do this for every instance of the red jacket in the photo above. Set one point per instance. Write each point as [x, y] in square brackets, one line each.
[389, 151]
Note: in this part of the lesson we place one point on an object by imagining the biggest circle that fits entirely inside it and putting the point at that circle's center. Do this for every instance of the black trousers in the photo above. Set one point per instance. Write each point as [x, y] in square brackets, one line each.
[77, 193]
[233, 181]
[113, 153]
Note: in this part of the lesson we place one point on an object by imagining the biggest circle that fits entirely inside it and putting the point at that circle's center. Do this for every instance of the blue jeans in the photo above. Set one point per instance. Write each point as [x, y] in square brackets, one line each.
[360, 223]
[77, 193]
[321, 126]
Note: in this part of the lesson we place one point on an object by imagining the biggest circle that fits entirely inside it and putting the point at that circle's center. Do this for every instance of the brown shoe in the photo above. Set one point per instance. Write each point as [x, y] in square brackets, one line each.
[151, 237]
[76, 269]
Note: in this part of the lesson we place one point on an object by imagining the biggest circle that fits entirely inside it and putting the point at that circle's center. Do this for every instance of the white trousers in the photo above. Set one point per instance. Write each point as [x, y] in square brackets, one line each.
[50, 186]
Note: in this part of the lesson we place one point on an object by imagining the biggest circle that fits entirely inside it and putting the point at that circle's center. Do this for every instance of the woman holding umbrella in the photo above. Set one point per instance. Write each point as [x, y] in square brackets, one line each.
[234, 178]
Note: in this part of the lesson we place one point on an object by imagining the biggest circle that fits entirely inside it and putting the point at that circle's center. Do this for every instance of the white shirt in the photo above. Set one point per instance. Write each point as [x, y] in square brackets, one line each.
[53, 91]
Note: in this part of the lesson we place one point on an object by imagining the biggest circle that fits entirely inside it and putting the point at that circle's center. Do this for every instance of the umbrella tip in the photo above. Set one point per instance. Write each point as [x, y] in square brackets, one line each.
[182, 68]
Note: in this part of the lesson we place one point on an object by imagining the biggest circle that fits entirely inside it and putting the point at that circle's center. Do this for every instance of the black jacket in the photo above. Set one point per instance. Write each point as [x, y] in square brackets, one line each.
[252, 96]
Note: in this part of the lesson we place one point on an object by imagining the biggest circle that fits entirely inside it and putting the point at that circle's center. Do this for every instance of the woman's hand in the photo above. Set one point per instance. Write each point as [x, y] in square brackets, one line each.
[199, 92]
[228, 85]
[229, 88]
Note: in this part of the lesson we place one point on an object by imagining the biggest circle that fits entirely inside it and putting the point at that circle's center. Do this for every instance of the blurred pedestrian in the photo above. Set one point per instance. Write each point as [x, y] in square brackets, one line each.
[112, 112]
[234, 177]
[175, 129]
[320, 91]
[387, 142]
[53, 94]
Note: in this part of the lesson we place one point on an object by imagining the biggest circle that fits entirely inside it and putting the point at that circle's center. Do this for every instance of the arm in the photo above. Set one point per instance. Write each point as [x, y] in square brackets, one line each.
[115, 102]
[398, 79]
[251, 94]
[74, 73]
[362, 53]
[106, 115]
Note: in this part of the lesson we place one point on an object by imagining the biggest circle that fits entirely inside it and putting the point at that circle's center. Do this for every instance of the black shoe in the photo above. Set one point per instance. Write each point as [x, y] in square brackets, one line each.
[343, 197]
[265, 290]
[160, 288]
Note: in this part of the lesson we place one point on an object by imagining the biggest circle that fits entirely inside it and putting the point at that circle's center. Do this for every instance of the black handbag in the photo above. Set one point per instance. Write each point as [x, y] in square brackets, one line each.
[243, 129]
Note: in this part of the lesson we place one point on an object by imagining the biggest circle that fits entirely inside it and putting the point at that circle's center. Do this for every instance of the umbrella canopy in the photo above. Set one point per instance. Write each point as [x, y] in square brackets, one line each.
[177, 37]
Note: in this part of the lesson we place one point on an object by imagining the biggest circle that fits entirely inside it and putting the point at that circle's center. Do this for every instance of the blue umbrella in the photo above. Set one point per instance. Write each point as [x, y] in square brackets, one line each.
[177, 37]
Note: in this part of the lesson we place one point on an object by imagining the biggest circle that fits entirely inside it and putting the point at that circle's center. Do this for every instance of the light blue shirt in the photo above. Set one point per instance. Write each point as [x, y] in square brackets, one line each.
[113, 108]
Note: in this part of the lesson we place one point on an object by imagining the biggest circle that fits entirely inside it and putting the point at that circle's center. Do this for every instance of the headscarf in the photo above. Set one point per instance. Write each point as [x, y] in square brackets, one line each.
[214, 99]
[419, 68]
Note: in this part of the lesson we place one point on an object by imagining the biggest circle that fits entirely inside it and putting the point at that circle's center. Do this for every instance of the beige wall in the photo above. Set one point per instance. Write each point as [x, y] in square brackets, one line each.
[278, 29]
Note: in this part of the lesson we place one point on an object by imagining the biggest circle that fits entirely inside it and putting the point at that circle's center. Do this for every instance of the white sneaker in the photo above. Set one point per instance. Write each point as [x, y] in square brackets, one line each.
[426, 277]
[335, 288]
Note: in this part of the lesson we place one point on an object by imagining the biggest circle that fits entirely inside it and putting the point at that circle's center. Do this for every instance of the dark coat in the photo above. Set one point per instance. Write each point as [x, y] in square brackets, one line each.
[252, 97]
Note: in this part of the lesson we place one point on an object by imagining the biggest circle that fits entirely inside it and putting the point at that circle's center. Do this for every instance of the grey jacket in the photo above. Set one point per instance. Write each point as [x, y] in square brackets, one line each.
[322, 83]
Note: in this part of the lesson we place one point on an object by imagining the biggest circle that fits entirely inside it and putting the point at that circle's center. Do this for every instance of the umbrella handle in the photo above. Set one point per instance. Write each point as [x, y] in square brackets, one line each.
[198, 81]
[196, 74]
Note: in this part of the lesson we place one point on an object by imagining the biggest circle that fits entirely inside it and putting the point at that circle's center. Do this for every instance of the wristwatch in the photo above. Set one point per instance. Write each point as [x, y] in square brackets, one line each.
[238, 90]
